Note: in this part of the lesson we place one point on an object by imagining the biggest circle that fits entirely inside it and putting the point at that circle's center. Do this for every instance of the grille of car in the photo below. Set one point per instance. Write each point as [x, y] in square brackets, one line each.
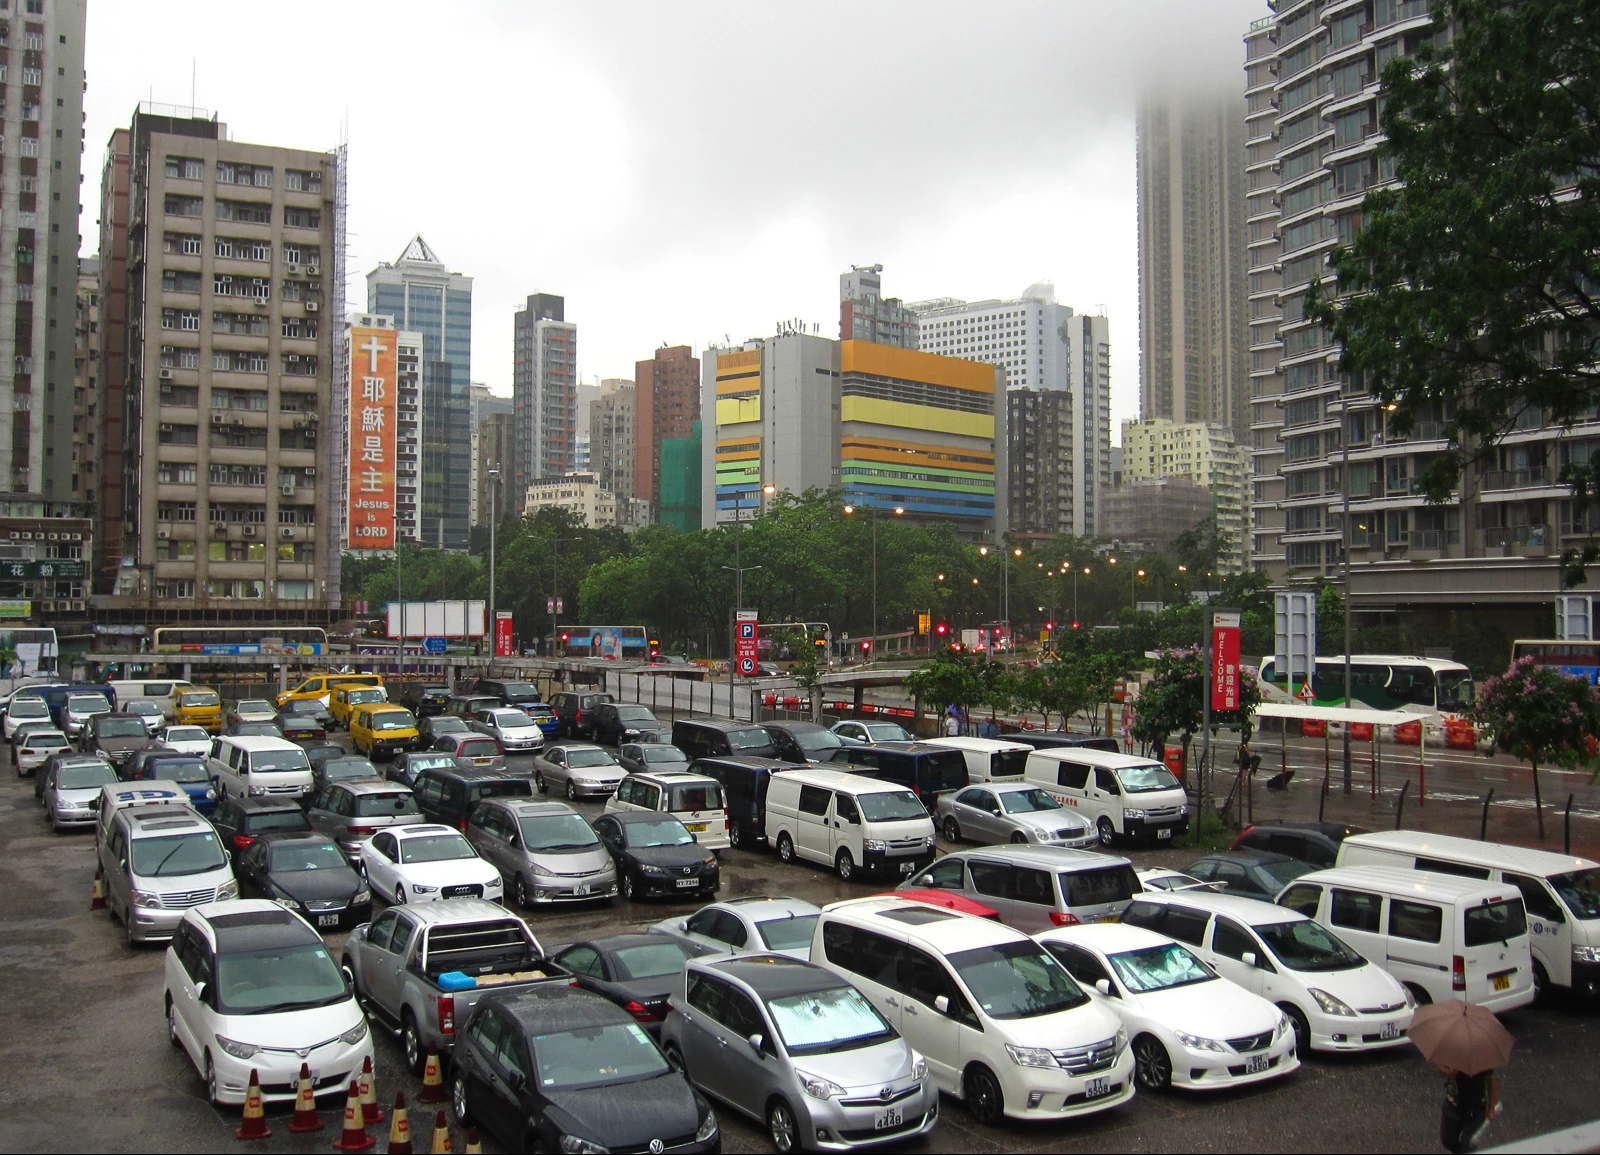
[907, 843]
[1387, 1009]
[183, 899]
[283, 790]
[1251, 1042]
[1085, 1060]
[1071, 832]
[473, 891]
[879, 1101]
[325, 904]
[1164, 812]
[572, 873]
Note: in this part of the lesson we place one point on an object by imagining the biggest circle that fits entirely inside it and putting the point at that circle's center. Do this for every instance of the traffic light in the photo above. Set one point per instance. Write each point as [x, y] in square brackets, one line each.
[820, 642]
[941, 629]
[1075, 625]
[866, 647]
[1051, 626]
[565, 638]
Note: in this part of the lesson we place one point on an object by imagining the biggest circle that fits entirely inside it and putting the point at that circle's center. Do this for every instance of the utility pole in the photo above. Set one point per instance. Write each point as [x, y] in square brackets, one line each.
[494, 629]
[1346, 538]
[399, 596]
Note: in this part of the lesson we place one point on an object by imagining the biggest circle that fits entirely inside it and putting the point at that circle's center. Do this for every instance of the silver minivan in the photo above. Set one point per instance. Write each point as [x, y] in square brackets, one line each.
[545, 851]
[1034, 888]
[158, 862]
[794, 1045]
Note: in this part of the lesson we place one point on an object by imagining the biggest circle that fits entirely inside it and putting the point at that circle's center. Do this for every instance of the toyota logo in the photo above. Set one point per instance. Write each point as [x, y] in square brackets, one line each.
[886, 1094]
[657, 1146]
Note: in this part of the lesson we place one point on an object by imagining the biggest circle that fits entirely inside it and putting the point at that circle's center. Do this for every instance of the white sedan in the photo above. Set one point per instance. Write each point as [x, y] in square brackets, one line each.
[1189, 1026]
[187, 740]
[425, 861]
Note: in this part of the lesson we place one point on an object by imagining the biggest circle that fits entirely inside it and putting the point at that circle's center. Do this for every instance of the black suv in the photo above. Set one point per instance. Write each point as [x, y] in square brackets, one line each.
[240, 821]
[449, 794]
[613, 723]
[1313, 842]
[518, 694]
[572, 709]
[926, 770]
[1056, 739]
[712, 737]
[424, 698]
[744, 790]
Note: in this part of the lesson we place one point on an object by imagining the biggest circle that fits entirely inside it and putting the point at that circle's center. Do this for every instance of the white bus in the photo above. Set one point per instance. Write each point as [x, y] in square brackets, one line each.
[1380, 681]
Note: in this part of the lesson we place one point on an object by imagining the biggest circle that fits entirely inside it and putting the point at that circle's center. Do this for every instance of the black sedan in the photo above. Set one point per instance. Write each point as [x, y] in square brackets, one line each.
[432, 727]
[557, 1069]
[1249, 873]
[613, 723]
[253, 730]
[308, 872]
[307, 708]
[656, 854]
[635, 971]
[319, 752]
[405, 767]
[300, 727]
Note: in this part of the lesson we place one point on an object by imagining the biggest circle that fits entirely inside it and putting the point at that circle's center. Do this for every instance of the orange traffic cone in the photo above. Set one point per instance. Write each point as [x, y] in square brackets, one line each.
[399, 1127]
[97, 896]
[305, 1105]
[432, 1081]
[370, 1113]
[441, 1136]
[354, 1137]
[254, 1124]
[474, 1147]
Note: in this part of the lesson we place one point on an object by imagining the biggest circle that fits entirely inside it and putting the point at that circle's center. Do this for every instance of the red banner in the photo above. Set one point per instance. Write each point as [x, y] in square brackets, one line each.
[1225, 661]
[502, 633]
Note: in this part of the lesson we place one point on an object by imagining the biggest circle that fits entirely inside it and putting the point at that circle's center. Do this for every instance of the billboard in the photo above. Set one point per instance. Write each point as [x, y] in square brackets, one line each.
[438, 619]
[373, 386]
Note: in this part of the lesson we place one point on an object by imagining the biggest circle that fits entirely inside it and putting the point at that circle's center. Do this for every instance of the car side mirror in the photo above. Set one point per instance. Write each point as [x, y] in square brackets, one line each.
[515, 841]
[515, 1080]
[122, 864]
[941, 1003]
[1249, 958]
[755, 1042]
[1103, 986]
[349, 977]
[200, 990]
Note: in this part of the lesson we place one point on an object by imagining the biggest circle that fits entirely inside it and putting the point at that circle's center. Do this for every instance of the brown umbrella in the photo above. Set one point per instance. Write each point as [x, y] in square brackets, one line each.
[1462, 1036]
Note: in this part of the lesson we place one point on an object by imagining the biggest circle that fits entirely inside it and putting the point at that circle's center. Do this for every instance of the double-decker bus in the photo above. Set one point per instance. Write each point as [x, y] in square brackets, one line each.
[783, 642]
[1579, 658]
[1381, 681]
[299, 640]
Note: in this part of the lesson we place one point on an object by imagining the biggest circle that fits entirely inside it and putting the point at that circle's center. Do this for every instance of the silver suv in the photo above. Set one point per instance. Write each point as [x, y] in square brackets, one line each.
[545, 851]
[1035, 888]
[352, 811]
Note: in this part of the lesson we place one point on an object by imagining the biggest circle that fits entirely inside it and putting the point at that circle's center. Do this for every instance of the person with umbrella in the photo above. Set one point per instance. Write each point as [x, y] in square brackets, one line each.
[1468, 1044]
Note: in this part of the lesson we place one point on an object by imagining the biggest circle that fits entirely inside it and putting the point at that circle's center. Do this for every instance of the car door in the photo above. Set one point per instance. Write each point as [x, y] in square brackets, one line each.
[555, 769]
[1104, 797]
[508, 1070]
[251, 871]
[701, 927]
[389, 978]
[946, 874]
[704, 1036]
[746, 1072]
[479, 1061]
[983, 812]
[921, 979]
[586, 966]
[813, 827]
[1229, 942]
[847, 827]
[193, 969]
[373, 953]
[1033, 899]
[990, 884]
[379, 858]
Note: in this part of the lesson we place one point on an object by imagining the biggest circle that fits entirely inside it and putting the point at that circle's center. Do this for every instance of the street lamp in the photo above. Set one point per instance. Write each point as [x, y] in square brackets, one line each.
[899, 511]
[1086, 572]
[1133, 598]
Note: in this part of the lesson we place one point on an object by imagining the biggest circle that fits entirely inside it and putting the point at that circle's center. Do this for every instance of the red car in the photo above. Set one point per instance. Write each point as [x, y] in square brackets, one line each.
[944, 898]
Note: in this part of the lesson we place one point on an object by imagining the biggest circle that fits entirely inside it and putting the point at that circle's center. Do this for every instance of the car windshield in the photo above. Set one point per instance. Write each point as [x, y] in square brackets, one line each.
[281, 760]
[695, 796]
[391, 805]
[585, 758]
[287, 978]
[1304, 946]
[336, 768]
[85, 776]
[820, 1022]
[200, 698]
[141, 707]
[119, 728]
[45, 742]
[446, 724]
[792, 933]
[307, 856]
[428, 762]
[1580, 890]
[28, 708]
[1156, 968]
[655, 961]
[360, 697]
[596, 1057]
[749, 739]
[178, 769]
[891, 806]
[1017, 980]
[1146, 779]
[651, 753]
[1285, 872]
[88, 704]
[256, 730]
[817, 741]
[634, 714]
[1027, 801]
[436, 848]
[187, 734]
[887, 732]
[512, 719]
[176, 854]
[394, 720]
[308, 706]
[254, 706]
[520, 690]
[557, 832]
[278, 820]
[658, 832]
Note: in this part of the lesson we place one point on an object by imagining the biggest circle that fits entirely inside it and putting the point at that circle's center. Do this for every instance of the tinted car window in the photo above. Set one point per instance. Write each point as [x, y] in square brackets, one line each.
[1355, 909]
[1093, 887]
[1496, 922]
[1073, 776]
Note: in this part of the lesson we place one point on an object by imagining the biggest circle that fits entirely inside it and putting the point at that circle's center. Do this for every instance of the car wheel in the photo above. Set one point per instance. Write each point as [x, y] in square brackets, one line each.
[1302, 1028]
[1541, 984]
[1421, 995]
[211, 1082]
[127, 930]
[572, 790]
[1108, 833]
[781, 1127]
[399, 894]
[952, 829]
[538, 783]
[1018, 838]
[521, 889]
[172, 1024]
[411, 1044]
[985, 1100]
[785, 848]
[629, 890]
[735, 835]
[458, 1099]
[845, 865]
[1152, 1066]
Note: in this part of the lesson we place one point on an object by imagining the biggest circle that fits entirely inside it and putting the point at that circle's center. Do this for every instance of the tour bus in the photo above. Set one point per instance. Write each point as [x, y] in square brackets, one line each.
[1426, 686]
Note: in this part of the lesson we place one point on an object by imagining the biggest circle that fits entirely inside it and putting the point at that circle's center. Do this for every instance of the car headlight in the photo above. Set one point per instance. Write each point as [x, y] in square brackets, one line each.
[1283, 1025]
[573, 1145]
[1132, 812]
[1030, 1056]
[361, 896]
[287, 903]
[1586, 954]
[355, 1034]
[229, 889]
[237, 1049]
[1411, 999]
[257, 791]
[1198, 1042]
[919, 1069]
[817, 1087]
[656, 870]
[1331, 1004]
[707, 1128]
[494, 883]
[420, 889]
[1183, 808]
[211, 792]
[146, 899]
[709, 860]
[874, 844]
[1120, 1042]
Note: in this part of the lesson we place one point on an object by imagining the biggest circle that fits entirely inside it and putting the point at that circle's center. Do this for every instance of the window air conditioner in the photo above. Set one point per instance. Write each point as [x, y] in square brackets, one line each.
[166, 374]
[219, 529]
[165, 389]
[311, 306]
[292, 267]
[166, 428]
[238, 420]
[312, 270]
[287, 488]
[249, 531]
[163, 533]
[217, 419]
[311, 434]
[287, 531]
[310, 471]
[53, 537]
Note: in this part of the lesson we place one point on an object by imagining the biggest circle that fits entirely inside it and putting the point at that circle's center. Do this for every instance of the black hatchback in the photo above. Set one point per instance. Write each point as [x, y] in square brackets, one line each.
[558, 1069]
[1314, 842]
[240, 821]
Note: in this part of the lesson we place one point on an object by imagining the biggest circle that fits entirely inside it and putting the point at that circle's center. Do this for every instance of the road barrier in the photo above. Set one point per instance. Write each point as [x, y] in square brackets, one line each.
[254, 1123]
[441, 1136]
[97, 894]
[399, 1127]
[354, 1137]
[305, 1105]
[474, 1146]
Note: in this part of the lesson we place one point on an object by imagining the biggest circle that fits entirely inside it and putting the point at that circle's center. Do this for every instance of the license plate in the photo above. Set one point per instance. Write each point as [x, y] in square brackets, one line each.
[327, 920]
[887, 1120]
[1097, 1088]
[1390, 1031]
[1255, 1064]
[1110, 918]
[1164, 832]
[684, 883]
[581, 889]
[907, 867]
[1502, 981]
[482, 761]
[696, 828]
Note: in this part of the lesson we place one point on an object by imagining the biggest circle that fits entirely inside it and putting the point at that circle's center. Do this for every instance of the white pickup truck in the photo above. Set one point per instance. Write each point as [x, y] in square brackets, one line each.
[419, 969]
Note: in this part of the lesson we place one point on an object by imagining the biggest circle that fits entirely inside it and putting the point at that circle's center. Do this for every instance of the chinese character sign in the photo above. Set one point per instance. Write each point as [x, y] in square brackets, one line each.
[373, 386]
[1225, 661]
[747, 642]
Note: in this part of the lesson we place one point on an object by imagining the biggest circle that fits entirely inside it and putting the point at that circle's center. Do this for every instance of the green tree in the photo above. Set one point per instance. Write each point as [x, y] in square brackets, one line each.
[1541, 715]
[1471, 296]
[1098, 675]
[1171, 702]
[946, 681]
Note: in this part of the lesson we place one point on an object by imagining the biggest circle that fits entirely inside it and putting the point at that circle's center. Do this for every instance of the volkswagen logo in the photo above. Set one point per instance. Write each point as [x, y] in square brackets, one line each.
[886, 1094]
[657, 1146]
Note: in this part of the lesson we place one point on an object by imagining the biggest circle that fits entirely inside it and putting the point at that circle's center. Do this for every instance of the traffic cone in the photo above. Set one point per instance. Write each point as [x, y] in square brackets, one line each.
[254, 1124]
[441, 1135]
[354, 1137]
[370, 1113]
[305, 1105]
[97, 896]
[399, 1127]
[473, 1146]
[432, 1082]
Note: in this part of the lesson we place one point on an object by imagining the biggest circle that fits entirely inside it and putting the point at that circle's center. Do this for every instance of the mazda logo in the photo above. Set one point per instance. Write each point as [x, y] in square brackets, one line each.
[657, 1146]
[688, 869]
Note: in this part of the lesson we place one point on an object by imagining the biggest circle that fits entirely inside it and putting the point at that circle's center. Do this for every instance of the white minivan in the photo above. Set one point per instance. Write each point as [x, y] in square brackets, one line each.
[1561, 893]
[253, 767]
[1443, 936]
[989, 759]
[1002, 1024]
[157, 690]
[849, 822]
[1122, 795]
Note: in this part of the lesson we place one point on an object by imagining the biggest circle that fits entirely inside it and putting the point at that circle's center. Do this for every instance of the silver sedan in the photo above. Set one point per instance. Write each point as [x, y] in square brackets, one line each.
[1011, 812]
[649, 757]
[516, 732]
[577, 769]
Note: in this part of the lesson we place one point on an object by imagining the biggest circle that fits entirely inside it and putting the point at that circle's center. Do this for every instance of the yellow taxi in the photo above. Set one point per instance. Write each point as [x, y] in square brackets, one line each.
[344, 698]
[382, 730]
[197, 706]
[320, 686]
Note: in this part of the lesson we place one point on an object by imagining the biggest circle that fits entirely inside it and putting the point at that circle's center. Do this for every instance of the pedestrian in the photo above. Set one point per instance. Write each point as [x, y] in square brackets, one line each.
[952, 724]
[1470, 1102]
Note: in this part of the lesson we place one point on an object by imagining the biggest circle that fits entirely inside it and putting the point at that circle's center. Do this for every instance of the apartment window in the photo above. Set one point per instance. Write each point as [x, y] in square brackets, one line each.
[32, 76]
[240, 324]
[1352, 128]
[1397, 526]
[1307, 412]
[1301, 163]
[300, 364]
[176, 472]
[179, 206]
[254, 399]
[300, 327]
[186, 244]
[1346, 30]
[170, 434]
[302, 218]
[1301, 94]
[175, 511]
[1306, 197]
[295, 591]
[1296, 131]
[1305, 519]
[1397, 475]
[245, 588]
[169, 588]
[177, 281]
[302, 181]
[292, 290]
[1352, 177]
[1305, 554]
[1302, 448]
[291, 254]
[1303, 234]
[243, 211]
[184, 396]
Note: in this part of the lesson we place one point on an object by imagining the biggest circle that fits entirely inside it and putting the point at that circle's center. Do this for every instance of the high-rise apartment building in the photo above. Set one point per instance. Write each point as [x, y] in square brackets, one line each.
[1040, 344]
[1192, 256]
[409, 429]
[423, 296]
[666, 405]
[233, 289]
[86, 381]
[544, 392]
[612, 436]
[110, 552]
[865, 314]
[495, 440]
[1041, 459]
[484, 405]
[1204, 453]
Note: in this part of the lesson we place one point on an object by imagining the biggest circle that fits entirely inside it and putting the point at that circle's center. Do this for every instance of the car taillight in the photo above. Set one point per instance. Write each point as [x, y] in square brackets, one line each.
[1242, 835]
[641, 1012]
[463, 822]
[1063, 918]
[242, 841]
[361, 831]
[577, 716]
[447, 1015]
[1458, 973]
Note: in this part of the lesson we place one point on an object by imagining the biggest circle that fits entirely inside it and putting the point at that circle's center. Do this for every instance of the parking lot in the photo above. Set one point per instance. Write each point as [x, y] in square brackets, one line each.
[87, 1064]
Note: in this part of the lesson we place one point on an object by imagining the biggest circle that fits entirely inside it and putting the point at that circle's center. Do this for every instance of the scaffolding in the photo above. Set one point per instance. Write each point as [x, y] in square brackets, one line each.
[335, 441]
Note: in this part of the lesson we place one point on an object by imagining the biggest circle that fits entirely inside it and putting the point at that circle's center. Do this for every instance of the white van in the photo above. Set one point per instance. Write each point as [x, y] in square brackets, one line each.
[848, 822]
[115, 796]
[158, 862]
[1000, 1022]
[989, 759]
[157, 690]
[250, 767]
[1561, 893]
[1122, 795]
[1443, 936]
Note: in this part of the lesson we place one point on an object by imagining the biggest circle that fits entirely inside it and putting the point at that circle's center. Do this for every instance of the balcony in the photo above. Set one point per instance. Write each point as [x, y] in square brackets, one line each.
[1530, 478]
[1519, 540]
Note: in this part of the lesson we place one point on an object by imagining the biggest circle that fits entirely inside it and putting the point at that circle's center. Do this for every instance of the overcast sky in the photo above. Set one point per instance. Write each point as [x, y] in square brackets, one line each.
[686, 172]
